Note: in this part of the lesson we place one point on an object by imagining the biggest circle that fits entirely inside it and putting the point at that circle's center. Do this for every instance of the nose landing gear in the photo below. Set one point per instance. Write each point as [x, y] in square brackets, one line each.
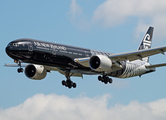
[19, 70]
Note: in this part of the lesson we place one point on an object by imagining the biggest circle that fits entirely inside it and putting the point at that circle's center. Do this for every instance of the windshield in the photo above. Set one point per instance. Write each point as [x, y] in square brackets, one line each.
[17, 44]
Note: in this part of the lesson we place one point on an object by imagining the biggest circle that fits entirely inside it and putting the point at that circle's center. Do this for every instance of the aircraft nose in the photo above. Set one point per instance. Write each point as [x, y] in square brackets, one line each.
[7, 49]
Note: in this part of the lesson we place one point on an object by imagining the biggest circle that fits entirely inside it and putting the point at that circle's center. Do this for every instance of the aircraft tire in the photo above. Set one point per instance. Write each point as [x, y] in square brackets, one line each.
[74, 85]
[18, 70]
[63, 82]
[21, 70]
[69, 86]
[99, 78]
[110, 80]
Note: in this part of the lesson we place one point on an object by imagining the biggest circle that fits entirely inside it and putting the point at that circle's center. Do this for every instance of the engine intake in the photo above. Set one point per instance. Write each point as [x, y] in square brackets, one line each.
[36, 72]
[100, 63]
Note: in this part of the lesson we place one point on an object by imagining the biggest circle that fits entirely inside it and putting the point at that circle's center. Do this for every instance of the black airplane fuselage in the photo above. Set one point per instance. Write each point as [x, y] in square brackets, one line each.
[53, 54]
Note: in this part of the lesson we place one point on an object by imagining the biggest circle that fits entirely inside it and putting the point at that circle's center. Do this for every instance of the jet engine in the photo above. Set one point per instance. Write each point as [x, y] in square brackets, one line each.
[36, 72]
[100, 63]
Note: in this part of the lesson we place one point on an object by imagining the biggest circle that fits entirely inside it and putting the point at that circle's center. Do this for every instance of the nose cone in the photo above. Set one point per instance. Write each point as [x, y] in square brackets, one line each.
[7, 50]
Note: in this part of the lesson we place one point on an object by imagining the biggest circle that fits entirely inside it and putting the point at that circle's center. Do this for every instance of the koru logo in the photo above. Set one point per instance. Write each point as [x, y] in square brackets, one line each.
[147, 37]
[147, 42]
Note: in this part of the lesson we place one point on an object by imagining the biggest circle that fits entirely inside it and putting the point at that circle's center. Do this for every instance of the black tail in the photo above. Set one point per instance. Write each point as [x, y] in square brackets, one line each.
[146, 42]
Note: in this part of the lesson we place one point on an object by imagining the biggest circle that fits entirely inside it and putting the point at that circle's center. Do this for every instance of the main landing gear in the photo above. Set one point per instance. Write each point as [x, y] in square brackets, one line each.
[105, 79]
[68, 83]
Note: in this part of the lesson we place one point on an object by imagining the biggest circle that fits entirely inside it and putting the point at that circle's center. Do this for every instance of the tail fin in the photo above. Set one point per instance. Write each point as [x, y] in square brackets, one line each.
[146, 42]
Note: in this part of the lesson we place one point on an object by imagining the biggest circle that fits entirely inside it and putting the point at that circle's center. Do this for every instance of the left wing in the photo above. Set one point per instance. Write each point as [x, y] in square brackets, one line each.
[138, 54]
[83, 61]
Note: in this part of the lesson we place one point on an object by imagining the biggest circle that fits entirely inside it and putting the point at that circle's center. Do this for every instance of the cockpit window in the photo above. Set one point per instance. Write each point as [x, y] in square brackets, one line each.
[13, 44]
[10, 44]
[17, 44]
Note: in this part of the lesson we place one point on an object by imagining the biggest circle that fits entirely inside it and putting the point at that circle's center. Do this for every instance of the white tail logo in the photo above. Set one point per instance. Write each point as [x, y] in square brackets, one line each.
[146, 42]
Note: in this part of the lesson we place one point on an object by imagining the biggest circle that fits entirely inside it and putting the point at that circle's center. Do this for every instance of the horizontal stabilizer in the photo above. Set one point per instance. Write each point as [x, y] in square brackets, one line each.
[157, 65]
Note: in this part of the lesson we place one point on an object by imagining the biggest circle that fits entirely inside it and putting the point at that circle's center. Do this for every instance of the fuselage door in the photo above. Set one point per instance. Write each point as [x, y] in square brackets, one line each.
[53, 51]
[30, 47]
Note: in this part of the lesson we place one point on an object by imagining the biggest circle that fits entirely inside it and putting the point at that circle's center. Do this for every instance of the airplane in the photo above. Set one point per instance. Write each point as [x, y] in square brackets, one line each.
[43, 57]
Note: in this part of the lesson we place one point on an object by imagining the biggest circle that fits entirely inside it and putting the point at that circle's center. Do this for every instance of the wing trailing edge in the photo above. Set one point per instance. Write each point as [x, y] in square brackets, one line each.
[139, 54]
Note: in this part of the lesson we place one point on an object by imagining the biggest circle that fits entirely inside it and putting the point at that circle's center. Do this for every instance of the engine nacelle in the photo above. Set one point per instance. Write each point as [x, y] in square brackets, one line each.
[100, 63]
[36, 72]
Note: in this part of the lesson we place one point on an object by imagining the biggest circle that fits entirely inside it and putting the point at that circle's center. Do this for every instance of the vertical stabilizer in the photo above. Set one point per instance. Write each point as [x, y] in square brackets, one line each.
[146, 42]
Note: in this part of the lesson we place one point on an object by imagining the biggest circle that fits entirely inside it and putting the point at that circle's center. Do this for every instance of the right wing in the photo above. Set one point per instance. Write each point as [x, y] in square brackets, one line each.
[14, 65]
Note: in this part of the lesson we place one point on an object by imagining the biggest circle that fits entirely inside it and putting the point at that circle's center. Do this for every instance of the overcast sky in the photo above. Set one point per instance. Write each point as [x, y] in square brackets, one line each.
[114, 26]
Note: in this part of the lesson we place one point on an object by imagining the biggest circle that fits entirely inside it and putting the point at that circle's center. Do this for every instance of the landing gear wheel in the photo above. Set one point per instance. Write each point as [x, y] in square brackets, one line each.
[74, 85]
[20, 70]
[68, 83]
[99, 78]
[110, 80]
[105, 79]
[69, 86]
[63, 82]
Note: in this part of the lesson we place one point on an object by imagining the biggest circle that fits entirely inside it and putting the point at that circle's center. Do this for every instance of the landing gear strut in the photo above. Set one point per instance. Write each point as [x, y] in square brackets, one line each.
[68, 83]
[105, 79]
[19, 70]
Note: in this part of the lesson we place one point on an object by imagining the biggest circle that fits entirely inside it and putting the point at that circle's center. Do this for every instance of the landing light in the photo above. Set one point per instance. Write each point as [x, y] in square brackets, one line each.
[16, 61]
